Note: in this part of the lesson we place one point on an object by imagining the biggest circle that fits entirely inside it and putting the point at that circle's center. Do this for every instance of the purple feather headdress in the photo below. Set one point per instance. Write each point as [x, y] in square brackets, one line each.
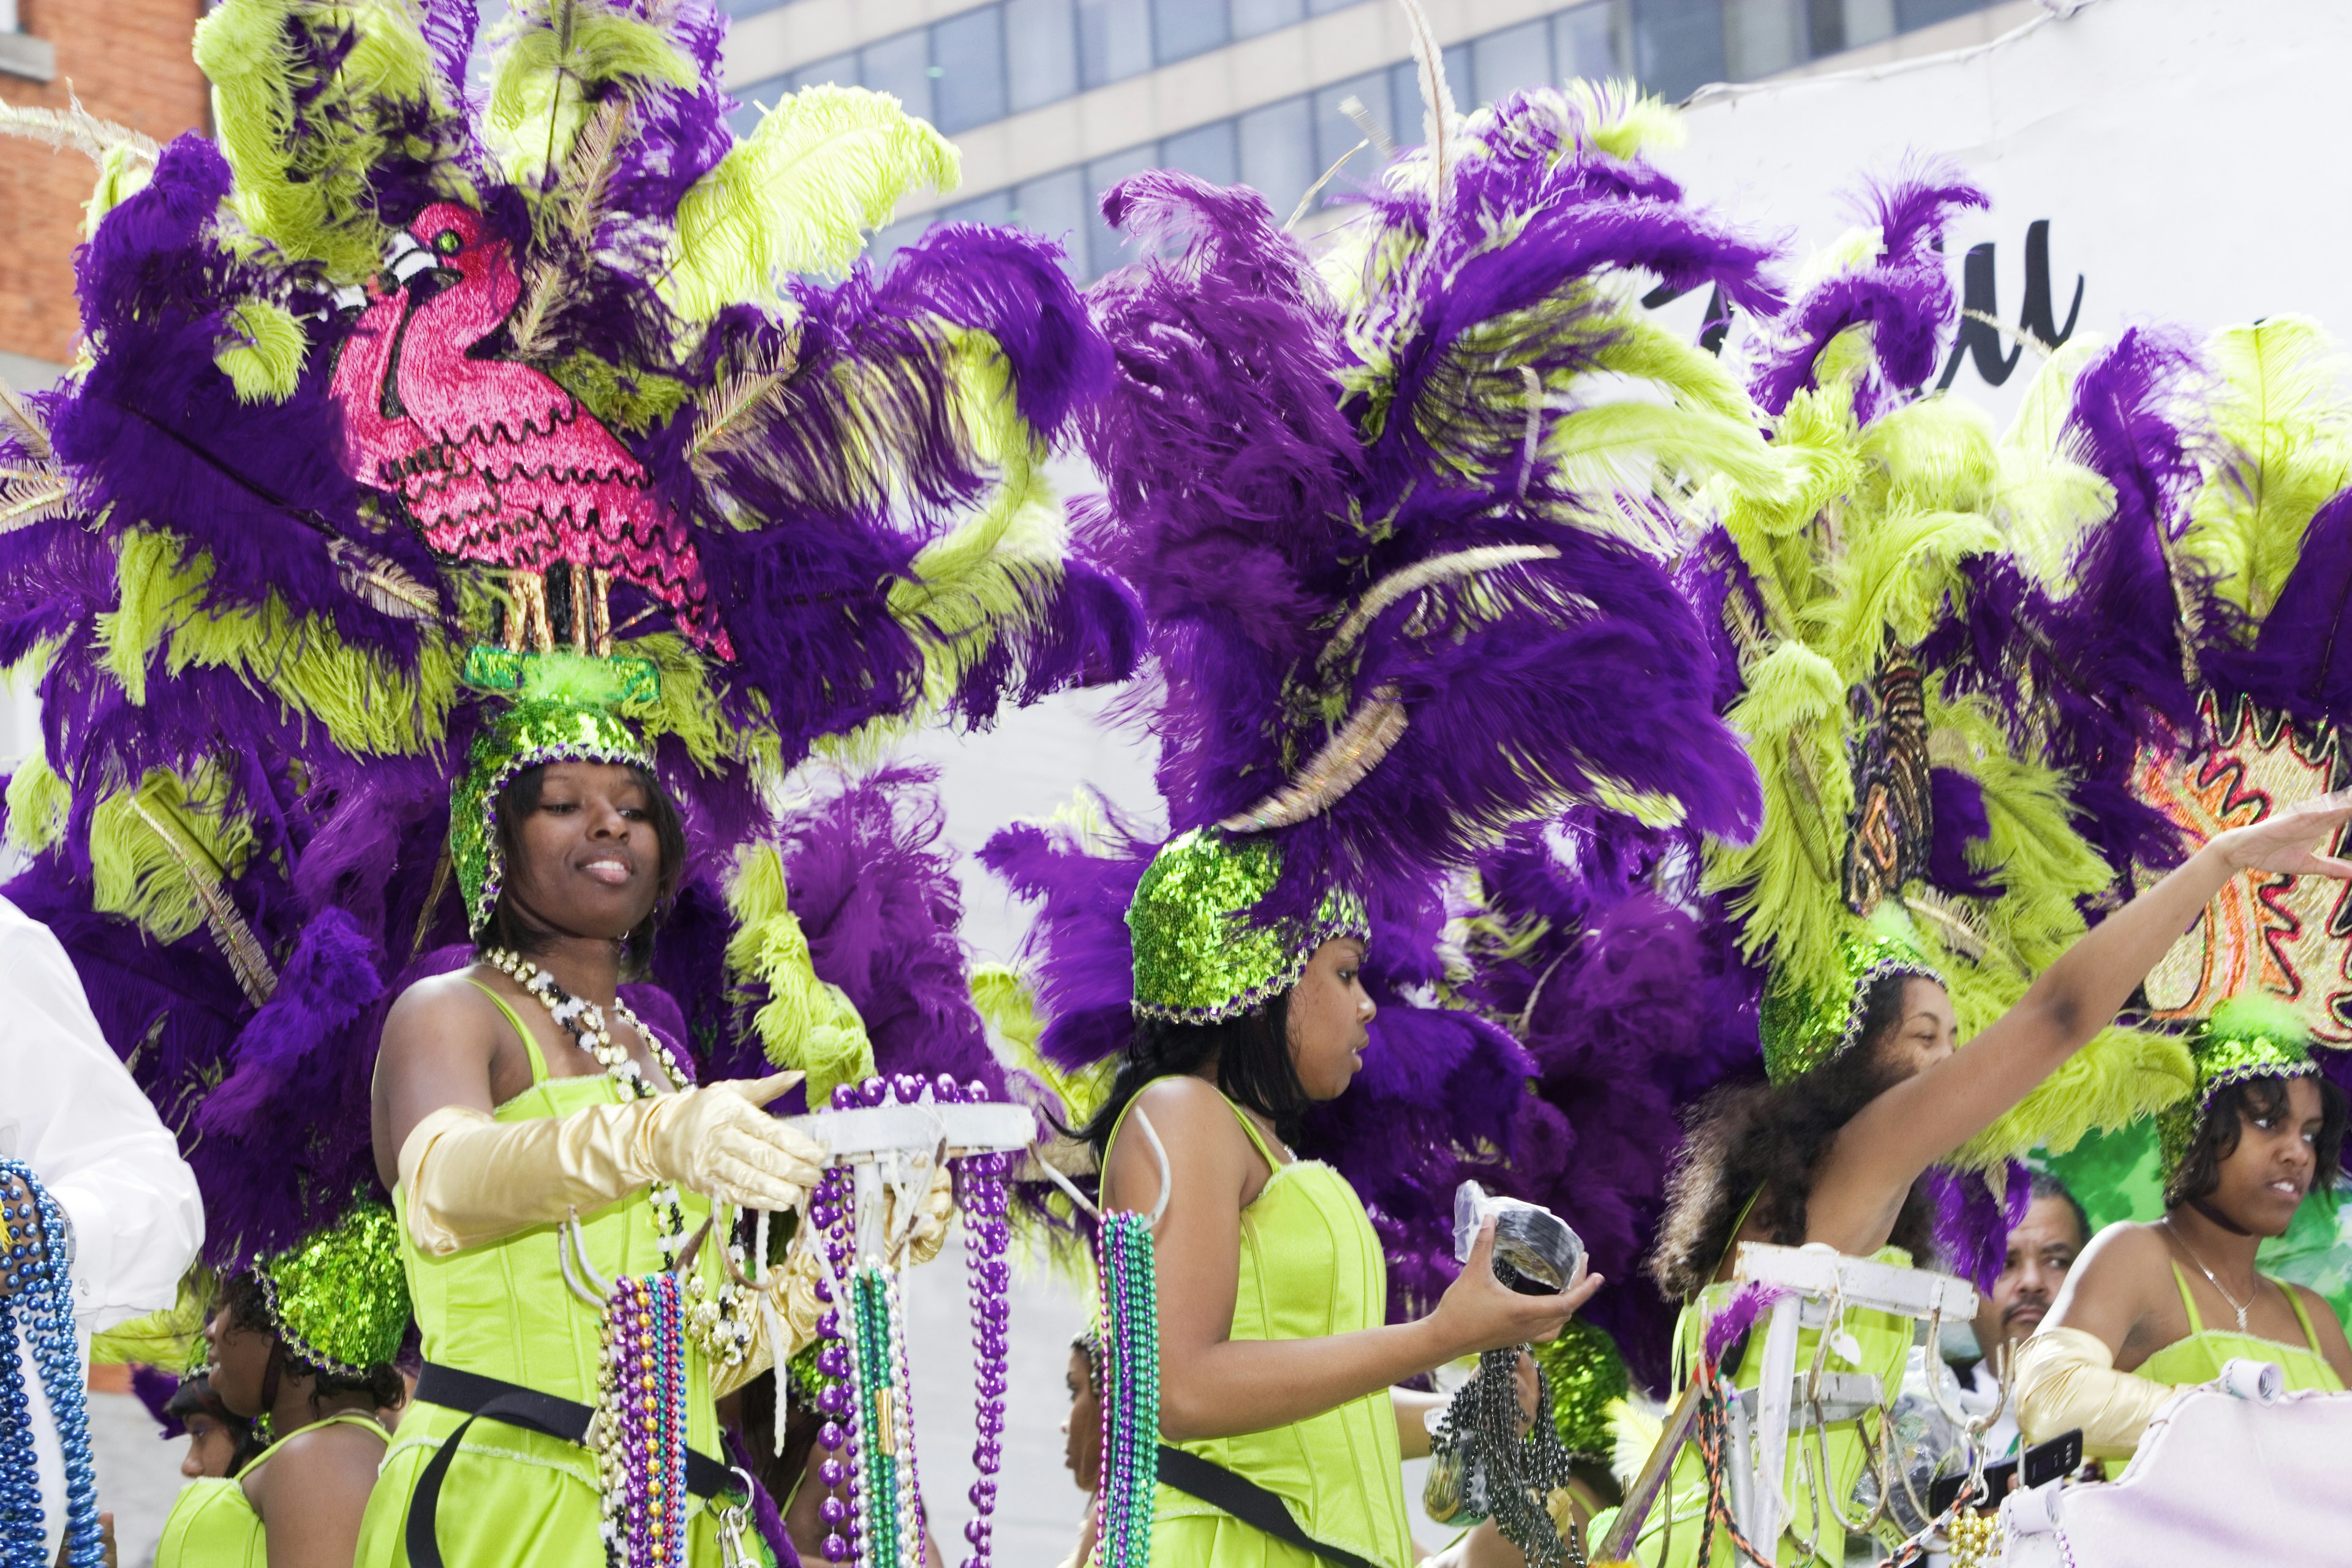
[256, 566]
[1386, 621]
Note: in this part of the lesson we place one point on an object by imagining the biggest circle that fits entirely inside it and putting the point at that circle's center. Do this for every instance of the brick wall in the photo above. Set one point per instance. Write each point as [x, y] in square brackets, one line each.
[129, 61]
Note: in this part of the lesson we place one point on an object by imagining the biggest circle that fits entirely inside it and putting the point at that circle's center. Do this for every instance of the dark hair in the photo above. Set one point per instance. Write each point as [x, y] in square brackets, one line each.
[2199, 1171]
[510, 927]
[1253, 1067]
[248, 1308]
[1765, 1142]
[196, 1397]
[2044, 1185]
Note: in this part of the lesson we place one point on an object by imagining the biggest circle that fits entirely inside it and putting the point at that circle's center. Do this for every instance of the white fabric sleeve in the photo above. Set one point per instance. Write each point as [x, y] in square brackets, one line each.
[75, 1116]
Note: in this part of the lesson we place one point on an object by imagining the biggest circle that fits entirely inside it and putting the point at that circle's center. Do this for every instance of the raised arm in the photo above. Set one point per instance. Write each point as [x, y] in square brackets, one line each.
[1918, 1121]
[1211, 1385]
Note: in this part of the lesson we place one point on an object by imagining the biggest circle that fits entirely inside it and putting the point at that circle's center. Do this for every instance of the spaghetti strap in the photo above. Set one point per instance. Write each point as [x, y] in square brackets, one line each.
[2196, 1322]
[1256, 1139]
[538, 1063]
[340, 1418]
[2302, 1315]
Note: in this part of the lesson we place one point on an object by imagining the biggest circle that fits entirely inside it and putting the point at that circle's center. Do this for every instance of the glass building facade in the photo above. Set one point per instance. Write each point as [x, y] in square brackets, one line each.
[992, 62]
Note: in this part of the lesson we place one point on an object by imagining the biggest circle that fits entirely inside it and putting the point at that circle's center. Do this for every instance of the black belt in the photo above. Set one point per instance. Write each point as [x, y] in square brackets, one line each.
[1244, 1500]
[488, 1397]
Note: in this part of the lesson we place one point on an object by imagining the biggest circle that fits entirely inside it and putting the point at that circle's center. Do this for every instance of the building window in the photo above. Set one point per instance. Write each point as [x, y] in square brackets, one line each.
[1041, 43]
[1251, 18]
[968, 86]
[1761, 37]
[1206, 151]
[1277, 153]
[1586, 42]
[1114, 40]
[901, 66]
[1183, 29]
[1339, 111]
[1057, 206]
[1511, 60]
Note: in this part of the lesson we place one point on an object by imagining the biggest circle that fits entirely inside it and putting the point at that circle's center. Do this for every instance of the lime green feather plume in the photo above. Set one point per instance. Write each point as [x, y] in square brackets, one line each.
[141, 842]
[1008, 1006]
[38, 801]
[2281, 417]
[805, 1022]
[264, 352]
[548, 58]
[822, 167]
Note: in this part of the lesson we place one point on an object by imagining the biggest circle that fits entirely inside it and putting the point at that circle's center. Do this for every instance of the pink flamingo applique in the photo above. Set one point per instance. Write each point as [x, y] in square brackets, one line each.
[497, 463]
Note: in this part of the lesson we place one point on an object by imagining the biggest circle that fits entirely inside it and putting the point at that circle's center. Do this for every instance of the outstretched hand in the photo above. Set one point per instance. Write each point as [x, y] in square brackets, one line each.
[2288, 843]
[1479, 1313]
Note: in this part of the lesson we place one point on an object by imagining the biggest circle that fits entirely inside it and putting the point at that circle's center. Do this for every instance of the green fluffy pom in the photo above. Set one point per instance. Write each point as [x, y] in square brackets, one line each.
[264, 352]
[805, 1022]
[796, 196]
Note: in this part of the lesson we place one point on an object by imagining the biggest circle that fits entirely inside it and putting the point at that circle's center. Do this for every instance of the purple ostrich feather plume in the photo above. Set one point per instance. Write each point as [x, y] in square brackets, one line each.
[876, 893]
[154, 1387]
[1738, 1318]
[2105, 659]
[1973, 1222]
[1905, 297]
[1633, 1004]
[2301, 660]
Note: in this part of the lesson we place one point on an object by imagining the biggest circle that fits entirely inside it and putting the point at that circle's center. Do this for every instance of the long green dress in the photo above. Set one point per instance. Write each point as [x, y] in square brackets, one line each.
[1310, 1267]
[1885, 1342]
[212, 1523]
[513, 1497]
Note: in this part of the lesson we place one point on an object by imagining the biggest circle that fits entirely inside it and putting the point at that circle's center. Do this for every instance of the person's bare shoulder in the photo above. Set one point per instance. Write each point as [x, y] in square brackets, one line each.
[440, 1007]
[1195, 1127]
[331, 1458]
[2127, 1249]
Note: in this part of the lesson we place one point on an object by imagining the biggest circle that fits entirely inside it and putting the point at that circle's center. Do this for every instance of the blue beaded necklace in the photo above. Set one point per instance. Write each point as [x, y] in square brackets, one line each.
[38, 1314]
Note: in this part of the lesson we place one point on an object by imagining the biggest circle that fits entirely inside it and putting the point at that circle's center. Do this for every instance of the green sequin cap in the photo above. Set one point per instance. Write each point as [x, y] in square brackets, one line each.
[340, 1300]
[1198, 957]
[2247, 1036]
[566, 713]
[1804, 1028]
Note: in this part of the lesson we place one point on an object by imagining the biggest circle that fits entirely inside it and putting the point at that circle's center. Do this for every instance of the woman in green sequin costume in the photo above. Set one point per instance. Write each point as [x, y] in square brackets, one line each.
[494, 1122]
[302, 1346]
[1276, 1361]
[2131, 1325]
[1861, 1106]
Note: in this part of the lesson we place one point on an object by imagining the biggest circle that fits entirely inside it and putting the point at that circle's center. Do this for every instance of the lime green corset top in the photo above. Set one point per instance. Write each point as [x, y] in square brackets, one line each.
[1311, 1267]
[2200, 1356]
[503, 1309]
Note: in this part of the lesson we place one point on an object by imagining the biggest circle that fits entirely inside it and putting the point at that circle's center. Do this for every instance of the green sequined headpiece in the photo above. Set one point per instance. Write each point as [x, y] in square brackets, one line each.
[340, 1300]
[566, 713]
[1199, 959]
[2246, 1038]
[1804, 1028]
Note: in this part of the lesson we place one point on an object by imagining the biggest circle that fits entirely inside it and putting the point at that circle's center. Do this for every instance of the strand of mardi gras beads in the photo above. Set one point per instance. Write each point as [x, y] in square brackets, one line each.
[987, 1237]
[1131, 1454]
[37, 1313]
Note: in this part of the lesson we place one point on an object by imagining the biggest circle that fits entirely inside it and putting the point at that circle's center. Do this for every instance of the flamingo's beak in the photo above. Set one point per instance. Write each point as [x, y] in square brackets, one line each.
[405, 258]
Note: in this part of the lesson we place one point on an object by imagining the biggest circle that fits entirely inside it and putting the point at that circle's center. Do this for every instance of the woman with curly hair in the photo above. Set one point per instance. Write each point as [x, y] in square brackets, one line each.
[2131, 1326]
[1834, 1154]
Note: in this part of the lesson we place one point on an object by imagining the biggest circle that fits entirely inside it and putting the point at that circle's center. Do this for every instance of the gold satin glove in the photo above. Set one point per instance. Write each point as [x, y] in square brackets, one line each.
[930, 1232]
[470, 1179]
[2067, 1378]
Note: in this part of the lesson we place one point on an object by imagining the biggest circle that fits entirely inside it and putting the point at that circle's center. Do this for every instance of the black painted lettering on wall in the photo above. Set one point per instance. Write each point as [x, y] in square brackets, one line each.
[1978, 340]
